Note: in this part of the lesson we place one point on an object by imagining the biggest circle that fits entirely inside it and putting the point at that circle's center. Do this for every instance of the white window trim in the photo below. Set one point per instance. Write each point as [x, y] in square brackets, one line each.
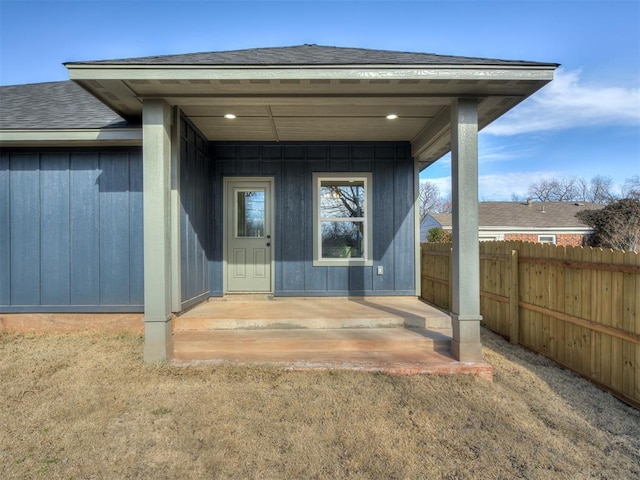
[547, 235]
[367, 258]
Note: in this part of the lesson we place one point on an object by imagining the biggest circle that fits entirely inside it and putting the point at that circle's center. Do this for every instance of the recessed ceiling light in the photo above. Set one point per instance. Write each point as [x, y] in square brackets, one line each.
[229, 116]
[392, 116]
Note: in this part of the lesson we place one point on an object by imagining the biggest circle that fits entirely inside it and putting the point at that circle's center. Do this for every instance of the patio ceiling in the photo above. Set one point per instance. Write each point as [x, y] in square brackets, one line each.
[318, 103]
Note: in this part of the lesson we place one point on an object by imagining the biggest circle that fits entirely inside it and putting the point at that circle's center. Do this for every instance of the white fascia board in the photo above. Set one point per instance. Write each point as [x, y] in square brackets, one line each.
[120, 136]
[206, 72]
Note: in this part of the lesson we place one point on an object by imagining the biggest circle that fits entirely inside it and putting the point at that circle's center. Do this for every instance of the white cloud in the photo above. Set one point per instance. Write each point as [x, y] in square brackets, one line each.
[500, 186]
[566, 103]
[443, 184]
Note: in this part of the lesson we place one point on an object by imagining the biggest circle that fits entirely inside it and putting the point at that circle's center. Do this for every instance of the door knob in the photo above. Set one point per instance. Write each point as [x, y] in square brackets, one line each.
[268, 244]
[268, 236]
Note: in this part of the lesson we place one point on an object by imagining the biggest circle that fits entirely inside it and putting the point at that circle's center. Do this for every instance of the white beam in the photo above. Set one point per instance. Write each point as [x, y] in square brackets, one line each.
[302, 100]
[432, 132]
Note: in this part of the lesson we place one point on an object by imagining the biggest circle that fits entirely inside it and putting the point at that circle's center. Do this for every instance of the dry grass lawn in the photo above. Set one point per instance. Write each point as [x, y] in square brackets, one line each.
[84, 406]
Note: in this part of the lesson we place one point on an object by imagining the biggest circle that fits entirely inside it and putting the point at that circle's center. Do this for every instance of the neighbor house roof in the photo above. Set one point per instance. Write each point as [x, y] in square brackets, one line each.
[526, 215]
[53, 105]
[309, 55]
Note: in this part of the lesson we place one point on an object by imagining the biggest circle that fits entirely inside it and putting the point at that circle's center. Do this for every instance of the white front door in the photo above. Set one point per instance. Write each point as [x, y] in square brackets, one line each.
[248, 235]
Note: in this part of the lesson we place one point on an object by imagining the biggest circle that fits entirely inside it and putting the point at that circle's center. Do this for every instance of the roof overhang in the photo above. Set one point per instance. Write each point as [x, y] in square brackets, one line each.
[318, 102]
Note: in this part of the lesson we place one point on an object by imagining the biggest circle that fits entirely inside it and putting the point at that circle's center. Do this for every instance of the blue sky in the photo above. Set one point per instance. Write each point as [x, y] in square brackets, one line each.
[587, 122]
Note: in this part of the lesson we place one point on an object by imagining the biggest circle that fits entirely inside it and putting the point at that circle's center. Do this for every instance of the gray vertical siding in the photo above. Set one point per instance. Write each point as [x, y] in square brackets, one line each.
[292, 166]
[71, 231]
[194, 214]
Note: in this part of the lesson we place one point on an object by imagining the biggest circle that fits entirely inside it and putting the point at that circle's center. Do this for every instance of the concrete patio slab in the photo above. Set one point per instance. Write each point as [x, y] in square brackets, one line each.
[397, 336]
[395, 351]
[260, 311]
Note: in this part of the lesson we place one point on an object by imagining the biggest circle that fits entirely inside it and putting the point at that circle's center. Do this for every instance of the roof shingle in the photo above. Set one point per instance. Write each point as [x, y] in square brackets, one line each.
[522, 215]
[310, 55]
[53, 105]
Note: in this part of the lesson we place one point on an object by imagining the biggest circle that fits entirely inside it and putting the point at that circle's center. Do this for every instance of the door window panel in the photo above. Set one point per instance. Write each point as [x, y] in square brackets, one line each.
[250, 213]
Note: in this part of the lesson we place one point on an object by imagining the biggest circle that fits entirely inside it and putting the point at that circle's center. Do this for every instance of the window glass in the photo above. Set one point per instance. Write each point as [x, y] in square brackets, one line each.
[342, 199]
[342, 223]
[342, 239]
[250, 213]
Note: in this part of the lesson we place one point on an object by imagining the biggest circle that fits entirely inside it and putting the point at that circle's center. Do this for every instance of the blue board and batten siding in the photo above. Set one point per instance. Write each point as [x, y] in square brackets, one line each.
[71, 232]
[71, 226]
[292, 166]
[195, 220]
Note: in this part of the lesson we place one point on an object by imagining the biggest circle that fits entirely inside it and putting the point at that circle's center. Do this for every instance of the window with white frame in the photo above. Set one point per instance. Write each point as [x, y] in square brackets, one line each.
[547, 239]
[342, 219]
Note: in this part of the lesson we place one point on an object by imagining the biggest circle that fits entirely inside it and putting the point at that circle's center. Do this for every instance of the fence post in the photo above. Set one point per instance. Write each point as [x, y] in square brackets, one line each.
[514, 294]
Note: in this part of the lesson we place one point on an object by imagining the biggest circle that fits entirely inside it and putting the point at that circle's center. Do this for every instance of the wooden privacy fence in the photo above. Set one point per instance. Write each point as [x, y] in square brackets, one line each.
[577, 306]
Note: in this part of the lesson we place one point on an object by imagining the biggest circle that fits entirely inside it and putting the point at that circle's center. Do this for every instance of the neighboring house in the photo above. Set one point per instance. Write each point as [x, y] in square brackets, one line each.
[542, 222]
[150, 184]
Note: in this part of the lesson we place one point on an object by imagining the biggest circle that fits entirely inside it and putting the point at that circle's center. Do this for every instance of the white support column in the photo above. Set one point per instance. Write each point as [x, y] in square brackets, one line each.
[156, 157]
[465, 309]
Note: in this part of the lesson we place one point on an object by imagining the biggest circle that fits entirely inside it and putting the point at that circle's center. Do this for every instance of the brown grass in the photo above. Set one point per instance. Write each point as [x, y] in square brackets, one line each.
[84, 406]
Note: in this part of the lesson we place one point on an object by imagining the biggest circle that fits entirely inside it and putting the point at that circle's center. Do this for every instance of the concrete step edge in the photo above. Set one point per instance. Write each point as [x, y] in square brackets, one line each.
[253, 324]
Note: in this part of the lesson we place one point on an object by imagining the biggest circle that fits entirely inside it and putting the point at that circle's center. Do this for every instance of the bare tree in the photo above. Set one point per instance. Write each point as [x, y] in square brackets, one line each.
[541, 190]
[554, 190]
[565, 189]
[446, 204]
[430, 200]
[631, 188]
[597, 190]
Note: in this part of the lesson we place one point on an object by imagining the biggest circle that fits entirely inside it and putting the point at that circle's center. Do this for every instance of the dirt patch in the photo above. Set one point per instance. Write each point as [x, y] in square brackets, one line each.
[84, 405]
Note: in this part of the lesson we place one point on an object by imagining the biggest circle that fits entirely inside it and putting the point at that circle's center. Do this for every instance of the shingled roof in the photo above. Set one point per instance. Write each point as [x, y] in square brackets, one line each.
[523, 215]
[309, 55]
[53, 105]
